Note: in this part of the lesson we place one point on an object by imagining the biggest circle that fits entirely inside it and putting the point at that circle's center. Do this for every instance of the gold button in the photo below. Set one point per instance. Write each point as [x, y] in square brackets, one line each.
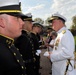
[25, 67]
[17, 49]
[23, 61]
[21, 55]
[17, 60]
[9, 47]
[22, 67]
[15, 54]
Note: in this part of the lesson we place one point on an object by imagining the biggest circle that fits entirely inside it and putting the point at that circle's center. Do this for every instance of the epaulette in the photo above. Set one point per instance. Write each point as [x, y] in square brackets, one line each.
[64, 31]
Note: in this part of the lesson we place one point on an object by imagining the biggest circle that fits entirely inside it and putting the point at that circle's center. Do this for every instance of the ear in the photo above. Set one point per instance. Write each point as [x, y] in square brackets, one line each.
[2, 22]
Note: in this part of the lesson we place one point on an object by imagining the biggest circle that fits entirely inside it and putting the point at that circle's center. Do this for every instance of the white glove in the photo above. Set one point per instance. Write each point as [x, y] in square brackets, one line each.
[39, 51]
[37, 54]
[46, 53]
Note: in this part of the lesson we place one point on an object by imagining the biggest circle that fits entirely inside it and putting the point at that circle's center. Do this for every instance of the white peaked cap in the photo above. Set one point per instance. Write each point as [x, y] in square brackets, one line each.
[8, 2]
[36, 22]
[29, 15]
[59, 15]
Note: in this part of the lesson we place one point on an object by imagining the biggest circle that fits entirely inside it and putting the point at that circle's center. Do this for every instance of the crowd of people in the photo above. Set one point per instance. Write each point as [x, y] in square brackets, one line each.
[21, 43]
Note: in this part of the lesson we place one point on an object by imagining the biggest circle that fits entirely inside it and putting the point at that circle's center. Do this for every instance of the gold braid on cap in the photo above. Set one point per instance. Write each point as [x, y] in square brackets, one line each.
[2, 11]
[54, 17]
[11, 9]
[27, 19]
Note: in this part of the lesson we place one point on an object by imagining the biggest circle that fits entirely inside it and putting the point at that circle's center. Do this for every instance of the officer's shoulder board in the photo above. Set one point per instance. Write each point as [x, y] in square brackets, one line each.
[64, 31]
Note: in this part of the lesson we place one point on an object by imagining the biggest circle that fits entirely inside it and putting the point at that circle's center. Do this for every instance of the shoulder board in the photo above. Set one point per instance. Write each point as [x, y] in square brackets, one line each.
[64, 31]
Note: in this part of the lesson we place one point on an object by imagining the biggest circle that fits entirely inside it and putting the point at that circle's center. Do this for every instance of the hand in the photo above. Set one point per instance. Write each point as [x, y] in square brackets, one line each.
[49, 55]
[50, 52]
[46, 44]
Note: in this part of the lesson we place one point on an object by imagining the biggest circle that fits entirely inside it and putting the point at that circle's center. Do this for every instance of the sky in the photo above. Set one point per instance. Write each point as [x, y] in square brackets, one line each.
[45, 8]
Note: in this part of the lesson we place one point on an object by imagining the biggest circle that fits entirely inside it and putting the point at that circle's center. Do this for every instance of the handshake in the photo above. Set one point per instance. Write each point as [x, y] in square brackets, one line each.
[38, 52]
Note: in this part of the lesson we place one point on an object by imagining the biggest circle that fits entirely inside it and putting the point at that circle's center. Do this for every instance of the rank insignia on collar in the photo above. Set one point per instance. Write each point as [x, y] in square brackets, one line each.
[64, 31]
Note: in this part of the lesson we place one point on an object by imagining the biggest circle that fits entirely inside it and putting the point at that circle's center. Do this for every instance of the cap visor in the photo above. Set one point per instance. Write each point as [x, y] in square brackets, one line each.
[17, 14]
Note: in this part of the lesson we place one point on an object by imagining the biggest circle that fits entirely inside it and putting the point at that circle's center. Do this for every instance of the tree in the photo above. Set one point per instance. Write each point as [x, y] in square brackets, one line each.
[46, 21]
[39, 20]
[73, 23]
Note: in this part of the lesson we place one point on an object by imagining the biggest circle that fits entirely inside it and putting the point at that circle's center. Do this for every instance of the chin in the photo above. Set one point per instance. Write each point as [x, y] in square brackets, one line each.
[19, 34]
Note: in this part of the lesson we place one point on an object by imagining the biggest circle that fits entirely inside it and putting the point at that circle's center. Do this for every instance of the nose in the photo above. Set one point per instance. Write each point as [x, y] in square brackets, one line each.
[21, 22]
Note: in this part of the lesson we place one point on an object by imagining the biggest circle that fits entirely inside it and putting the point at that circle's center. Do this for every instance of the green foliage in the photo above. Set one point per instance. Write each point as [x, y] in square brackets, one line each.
[75, 39]
[46, 21]
[39, 20]
[75, 42]
[73, 23]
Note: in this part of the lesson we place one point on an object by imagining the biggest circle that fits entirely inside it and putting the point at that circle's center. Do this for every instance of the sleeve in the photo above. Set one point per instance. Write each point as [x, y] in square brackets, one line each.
[52, 42]
[67, 48]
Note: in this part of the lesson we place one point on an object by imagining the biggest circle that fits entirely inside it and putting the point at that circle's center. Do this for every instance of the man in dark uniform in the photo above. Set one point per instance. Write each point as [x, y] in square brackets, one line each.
[25, 45]
[36, 38]
[11, 62]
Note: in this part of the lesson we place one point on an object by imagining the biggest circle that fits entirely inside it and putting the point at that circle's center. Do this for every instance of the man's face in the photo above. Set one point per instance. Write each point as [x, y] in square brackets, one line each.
[38, 29]
[56, 25]
[28, 25]
[13, 26]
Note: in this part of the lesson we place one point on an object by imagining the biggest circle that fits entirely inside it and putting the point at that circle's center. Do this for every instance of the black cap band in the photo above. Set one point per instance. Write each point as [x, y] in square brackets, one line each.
[10, 8]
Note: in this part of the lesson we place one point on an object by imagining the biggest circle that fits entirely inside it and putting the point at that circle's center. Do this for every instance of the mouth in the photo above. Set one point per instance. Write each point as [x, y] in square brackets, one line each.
[21, 28]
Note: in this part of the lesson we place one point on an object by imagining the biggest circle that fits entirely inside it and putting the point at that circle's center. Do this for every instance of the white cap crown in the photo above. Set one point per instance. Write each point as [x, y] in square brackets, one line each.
[8, 2]
[59, 15]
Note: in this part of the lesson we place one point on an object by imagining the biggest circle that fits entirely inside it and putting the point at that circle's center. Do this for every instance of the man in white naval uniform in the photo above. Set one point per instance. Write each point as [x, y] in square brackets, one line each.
[63, 47]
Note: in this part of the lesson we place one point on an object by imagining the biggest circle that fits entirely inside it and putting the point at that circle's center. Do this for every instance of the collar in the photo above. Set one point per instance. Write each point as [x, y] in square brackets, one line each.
[25, 30]
[6, 39]
[63, 28]
[33, 32]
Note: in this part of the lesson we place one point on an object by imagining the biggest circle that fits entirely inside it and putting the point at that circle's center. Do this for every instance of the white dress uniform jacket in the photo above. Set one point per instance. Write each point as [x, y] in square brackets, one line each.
[51, 43]
[63, 49]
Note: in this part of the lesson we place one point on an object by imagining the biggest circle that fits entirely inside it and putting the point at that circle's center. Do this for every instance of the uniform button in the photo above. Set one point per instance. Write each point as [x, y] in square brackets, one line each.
[32, 45]
[25, 67]
[22, 67]
[15, 54]
[23, 61]
[34, 59]
[17, 60]
[21, 55]
[17, 49]
[9, 47]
